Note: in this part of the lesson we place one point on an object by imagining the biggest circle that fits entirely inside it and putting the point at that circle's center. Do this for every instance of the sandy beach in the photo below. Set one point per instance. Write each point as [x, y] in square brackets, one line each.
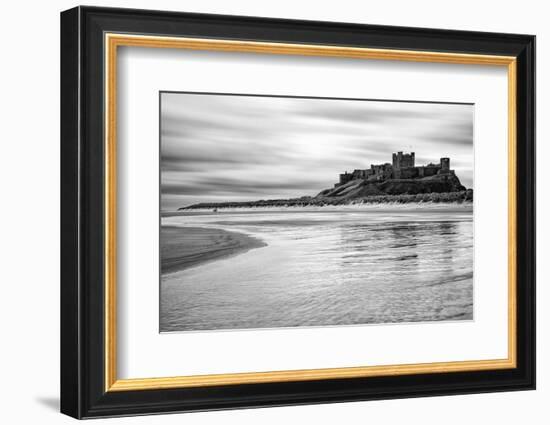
[185, 247]
[321, 267]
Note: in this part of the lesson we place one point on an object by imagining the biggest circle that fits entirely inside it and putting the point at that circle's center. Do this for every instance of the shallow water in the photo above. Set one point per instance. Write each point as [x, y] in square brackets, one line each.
[326, 267]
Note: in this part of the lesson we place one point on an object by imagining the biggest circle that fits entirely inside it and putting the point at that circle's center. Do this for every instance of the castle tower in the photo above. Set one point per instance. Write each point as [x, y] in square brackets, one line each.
[445, 165]
[401, 160]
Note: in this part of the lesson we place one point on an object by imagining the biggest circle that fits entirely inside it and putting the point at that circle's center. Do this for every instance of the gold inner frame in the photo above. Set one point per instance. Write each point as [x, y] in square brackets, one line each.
[113, 41]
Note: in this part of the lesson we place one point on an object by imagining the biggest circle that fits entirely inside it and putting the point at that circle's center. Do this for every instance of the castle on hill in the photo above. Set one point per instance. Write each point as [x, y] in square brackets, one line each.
[402, 167]
[401, 181]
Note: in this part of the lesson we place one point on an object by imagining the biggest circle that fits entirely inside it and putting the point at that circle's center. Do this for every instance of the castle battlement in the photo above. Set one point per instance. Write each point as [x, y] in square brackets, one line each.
[402, 167]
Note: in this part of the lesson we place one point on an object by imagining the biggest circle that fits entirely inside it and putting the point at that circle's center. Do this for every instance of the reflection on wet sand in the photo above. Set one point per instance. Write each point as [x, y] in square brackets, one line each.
[329, 268]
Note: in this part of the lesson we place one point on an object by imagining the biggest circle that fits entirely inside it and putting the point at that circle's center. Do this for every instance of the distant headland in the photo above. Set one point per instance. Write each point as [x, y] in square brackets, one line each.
[400, 181]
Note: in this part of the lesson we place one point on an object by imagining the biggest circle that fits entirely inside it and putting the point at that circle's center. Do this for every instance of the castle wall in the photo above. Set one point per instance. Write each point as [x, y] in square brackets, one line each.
[344, 178]
[428, 171]
[406, 173]
[382, 171]
[361, 174]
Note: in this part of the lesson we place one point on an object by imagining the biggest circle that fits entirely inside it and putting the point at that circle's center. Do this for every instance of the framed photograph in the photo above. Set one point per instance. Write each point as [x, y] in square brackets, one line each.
[261, 212]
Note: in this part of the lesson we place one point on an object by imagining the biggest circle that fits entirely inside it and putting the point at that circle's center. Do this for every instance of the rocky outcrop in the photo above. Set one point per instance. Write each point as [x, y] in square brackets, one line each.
[361, 188]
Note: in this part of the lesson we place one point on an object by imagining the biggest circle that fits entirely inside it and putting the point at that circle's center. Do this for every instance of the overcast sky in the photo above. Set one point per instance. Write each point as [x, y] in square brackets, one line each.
[238, 148]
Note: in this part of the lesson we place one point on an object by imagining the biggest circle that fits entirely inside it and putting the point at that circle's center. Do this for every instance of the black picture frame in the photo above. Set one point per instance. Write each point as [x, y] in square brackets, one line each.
[83, 392]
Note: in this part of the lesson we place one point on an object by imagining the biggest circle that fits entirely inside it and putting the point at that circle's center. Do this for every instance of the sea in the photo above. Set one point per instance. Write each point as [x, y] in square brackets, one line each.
[327, 266]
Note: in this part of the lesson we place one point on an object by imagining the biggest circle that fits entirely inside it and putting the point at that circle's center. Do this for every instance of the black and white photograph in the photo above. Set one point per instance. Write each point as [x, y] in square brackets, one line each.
[312, 214]
[279, 212]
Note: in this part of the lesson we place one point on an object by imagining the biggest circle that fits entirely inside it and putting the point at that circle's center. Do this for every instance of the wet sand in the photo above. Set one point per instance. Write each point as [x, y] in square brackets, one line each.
[348, 266]
[185, 247]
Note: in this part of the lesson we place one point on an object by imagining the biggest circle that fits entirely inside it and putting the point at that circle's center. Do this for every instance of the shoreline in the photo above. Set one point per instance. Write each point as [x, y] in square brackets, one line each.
[463, 197]
[449, 207]
[186, 247]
